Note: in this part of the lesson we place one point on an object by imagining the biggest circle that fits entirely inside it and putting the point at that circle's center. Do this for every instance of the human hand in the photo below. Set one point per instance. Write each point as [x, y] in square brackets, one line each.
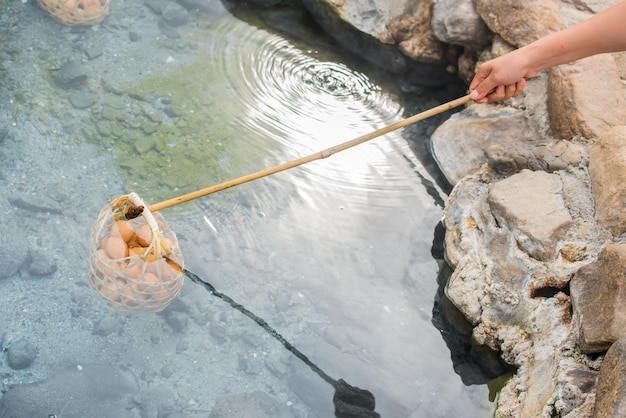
[501, 78]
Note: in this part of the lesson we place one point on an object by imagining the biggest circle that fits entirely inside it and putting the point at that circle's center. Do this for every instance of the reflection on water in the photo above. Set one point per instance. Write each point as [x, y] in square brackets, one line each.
[335, 255]
[343, 244]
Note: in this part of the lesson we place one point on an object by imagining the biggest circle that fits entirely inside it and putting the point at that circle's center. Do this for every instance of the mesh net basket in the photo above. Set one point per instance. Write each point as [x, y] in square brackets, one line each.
[135, 262]
[76, 12]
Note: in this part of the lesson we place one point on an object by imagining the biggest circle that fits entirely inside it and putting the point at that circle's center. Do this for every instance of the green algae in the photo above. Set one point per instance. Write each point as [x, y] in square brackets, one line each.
[173, 132]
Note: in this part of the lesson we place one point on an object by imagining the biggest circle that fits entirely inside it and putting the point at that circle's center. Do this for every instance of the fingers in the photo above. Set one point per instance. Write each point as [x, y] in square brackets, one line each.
[499, 93]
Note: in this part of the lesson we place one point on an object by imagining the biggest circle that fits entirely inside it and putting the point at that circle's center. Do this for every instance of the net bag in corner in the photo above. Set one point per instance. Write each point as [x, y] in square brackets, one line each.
[76, 12]
[135, 262]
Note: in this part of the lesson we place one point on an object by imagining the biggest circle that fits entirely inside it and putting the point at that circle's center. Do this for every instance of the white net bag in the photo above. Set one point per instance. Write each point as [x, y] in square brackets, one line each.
[135, 262]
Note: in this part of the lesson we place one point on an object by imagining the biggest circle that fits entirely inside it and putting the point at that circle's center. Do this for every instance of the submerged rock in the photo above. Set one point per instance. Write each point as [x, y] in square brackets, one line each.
[86, 391]
[21, 354]
[71, 74]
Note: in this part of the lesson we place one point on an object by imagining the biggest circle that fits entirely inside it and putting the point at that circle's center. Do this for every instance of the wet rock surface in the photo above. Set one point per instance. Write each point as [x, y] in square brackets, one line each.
[535, 221]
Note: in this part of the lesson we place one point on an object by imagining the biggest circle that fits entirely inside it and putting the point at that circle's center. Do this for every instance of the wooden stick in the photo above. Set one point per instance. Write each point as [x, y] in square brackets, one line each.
[317, 156]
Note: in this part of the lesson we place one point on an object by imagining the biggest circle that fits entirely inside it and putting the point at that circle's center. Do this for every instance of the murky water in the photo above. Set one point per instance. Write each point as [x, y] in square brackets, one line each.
[335, 254]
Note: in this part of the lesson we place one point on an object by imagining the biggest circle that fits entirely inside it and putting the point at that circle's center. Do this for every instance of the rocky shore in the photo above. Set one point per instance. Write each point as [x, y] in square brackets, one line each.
[535, 225]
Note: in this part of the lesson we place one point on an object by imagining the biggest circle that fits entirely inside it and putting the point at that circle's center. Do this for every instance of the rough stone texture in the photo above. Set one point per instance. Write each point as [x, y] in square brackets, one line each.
[538, 213]
[415, 38]
[607, 168]
[520, 23]
[599, 300]
[457, 22]
[516, 239]
[394, 35]
[586, 98]
[611, 389]
[470, 132]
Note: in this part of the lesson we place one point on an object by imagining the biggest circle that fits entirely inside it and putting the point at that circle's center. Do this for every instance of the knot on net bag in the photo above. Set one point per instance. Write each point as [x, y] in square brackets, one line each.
[135, 262]
[76, 12]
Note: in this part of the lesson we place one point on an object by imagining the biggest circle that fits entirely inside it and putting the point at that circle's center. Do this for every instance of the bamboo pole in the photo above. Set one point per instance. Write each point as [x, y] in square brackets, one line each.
[316, 156]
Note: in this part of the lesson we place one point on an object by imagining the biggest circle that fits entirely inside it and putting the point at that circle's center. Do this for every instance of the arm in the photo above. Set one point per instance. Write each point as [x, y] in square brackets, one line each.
[505, 77]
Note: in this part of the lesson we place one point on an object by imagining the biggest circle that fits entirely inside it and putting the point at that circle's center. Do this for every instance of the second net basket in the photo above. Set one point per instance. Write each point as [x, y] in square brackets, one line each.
[135, 262]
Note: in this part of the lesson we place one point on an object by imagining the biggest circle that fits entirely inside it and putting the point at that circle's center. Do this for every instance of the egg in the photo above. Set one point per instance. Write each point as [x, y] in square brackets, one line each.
[138, 291]
[114, 247]
[144, 235]
[123, 229]
[174, 266]
[109, 291]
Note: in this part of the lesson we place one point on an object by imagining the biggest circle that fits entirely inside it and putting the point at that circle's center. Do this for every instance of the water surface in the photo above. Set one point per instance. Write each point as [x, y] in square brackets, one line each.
[335, 255]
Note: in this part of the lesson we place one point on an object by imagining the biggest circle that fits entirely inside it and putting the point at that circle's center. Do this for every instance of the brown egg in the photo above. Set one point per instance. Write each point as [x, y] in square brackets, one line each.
[135, 271]
[144, 235]
[109, 291]
[174, 266]
[123, 229]
[114, 247]
[138, 291]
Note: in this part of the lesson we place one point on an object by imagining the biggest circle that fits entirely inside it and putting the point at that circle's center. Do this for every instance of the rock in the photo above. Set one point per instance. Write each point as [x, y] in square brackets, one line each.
[93, 52]
[178, 321]
[252, 404]
[21, 354]
[586, 98]
[71, 74]
[520, 23]
[35, 203]
[611, 387]
[82, 99]
[457, 22]
[14, 252]
[607, 169]
[157, 6]
[415, 37]
[250, 364]
[42, 263]
[106, 326]
[537, 214]
[134, 36]
[598, 291]
[356, 25]
[175, 14]
[89, 391]
[470, 132]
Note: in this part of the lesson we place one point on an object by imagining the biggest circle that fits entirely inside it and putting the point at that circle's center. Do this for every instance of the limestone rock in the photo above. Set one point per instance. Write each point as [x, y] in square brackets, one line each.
[457, 22]
[611, 387]
[598, 293]
[520, 23]
[607, 169]
[538, 213]
[586, 98]
[355, 25]
[415, 37]
[470, 132]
